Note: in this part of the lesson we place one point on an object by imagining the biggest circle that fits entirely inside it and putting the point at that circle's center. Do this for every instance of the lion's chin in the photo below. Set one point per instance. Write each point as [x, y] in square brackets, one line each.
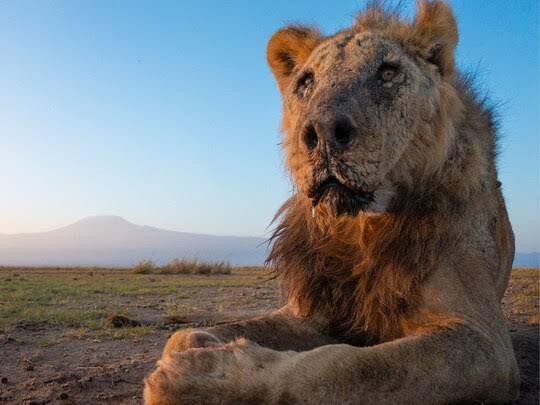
[340, 200]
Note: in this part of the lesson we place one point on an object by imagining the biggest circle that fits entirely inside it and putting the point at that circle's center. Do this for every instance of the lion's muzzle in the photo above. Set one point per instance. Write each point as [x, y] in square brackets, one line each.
[340, 198]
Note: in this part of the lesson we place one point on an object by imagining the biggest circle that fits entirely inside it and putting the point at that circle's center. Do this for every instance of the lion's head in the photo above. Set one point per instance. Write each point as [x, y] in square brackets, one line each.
[364, 110]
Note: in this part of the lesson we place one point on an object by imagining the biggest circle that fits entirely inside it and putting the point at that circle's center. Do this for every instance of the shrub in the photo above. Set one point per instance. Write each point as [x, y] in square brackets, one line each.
[221, 268]
[185, 266]
[177, 266]
[202, 268]
[144, 267]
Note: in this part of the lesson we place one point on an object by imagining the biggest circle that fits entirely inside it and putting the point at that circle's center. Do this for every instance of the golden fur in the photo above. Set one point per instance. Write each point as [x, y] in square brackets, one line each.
[394, 273]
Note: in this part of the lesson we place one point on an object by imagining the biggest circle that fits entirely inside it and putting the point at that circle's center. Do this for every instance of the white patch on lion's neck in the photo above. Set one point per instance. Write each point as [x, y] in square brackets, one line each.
[382, 198]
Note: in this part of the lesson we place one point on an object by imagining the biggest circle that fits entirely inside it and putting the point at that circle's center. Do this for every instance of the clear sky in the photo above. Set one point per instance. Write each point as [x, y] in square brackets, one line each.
[165, 112]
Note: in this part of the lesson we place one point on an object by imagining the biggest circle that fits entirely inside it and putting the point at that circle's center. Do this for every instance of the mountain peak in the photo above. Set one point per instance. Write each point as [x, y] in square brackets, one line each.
[101, 223]
[104, 219]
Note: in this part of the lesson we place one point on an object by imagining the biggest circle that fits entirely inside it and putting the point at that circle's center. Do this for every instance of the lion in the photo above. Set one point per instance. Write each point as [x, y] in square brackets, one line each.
[395, 248]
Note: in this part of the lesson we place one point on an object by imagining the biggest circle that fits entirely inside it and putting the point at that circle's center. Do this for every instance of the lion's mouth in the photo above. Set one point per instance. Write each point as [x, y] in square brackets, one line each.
[341, 198]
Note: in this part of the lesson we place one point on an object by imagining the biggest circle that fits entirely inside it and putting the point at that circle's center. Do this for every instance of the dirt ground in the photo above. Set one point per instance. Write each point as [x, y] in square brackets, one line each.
[51, 363]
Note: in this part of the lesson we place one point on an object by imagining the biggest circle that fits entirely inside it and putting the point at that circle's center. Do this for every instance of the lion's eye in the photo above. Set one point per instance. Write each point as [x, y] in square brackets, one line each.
[387, 73]
[304, 84]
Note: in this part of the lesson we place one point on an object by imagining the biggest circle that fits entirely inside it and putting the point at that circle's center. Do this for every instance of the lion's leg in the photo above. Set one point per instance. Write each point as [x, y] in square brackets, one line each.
[459, 365]
[447, 366]
[279, 330]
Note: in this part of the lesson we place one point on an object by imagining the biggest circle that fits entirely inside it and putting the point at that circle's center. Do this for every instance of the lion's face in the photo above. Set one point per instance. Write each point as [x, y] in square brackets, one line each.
[355, 105]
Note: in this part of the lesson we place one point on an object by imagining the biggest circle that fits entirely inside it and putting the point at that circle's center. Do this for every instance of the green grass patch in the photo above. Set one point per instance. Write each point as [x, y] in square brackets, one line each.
[81, 299]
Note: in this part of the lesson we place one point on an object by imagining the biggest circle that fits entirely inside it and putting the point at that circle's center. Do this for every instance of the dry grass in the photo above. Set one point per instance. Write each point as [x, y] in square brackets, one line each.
[183, 266]
[144, 267]
[524, 294]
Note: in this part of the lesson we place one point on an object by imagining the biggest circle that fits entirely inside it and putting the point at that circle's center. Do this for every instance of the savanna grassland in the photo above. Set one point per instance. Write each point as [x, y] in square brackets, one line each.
[89, 336]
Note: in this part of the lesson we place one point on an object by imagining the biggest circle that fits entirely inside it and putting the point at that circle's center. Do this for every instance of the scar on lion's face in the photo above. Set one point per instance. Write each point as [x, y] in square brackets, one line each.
[353, 104]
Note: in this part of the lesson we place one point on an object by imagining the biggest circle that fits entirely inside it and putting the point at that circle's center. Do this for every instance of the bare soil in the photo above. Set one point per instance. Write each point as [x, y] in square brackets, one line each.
[48, 363]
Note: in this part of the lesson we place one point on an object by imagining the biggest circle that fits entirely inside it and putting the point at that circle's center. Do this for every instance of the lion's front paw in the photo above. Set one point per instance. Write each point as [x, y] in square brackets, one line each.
[189, 338]
[224, 374]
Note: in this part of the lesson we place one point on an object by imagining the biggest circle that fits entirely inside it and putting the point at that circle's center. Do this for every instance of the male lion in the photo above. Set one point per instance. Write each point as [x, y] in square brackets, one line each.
[395, 249]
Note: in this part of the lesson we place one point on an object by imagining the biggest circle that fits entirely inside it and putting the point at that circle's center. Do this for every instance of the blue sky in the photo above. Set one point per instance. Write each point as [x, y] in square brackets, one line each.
[165, 112]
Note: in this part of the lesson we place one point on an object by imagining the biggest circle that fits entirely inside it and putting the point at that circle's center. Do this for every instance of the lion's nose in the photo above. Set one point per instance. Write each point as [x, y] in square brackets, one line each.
[343, 133]
[338, 134]
[310, 137]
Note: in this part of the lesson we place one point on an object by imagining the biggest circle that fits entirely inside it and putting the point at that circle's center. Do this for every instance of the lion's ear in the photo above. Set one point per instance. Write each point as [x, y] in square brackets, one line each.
[434, 32]
[288, 49]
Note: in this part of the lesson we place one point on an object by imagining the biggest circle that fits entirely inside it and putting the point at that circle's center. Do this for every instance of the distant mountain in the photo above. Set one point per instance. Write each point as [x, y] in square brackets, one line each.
[113, 241]
[527, 260]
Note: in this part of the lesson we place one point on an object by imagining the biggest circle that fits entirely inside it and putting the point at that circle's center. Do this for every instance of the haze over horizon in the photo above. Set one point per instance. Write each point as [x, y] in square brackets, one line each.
[168, 115]
[113, 241]
[110, 240]
[109, 220]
